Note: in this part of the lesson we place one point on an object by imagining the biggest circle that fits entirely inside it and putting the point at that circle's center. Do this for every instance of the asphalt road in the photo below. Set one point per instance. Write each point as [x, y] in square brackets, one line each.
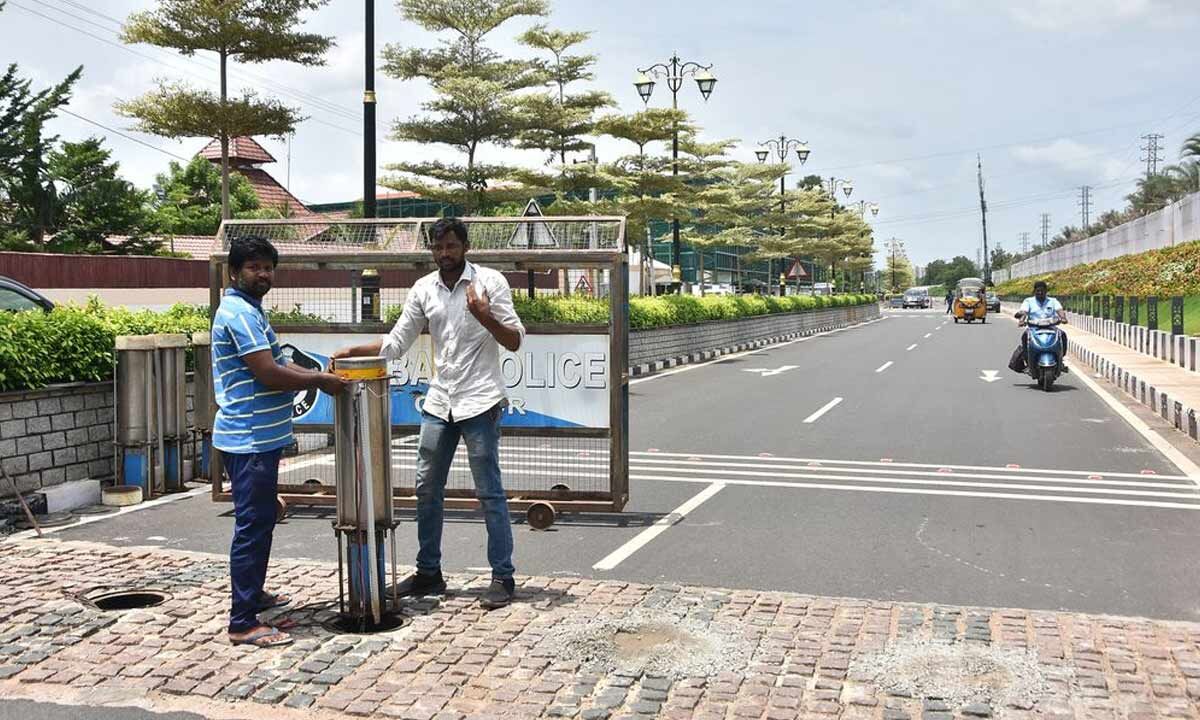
[914, 478]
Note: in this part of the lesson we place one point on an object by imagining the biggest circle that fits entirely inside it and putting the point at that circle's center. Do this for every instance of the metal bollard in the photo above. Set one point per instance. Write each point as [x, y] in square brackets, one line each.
[204, 402]
[170, 370]
[134, 412]
[363, 467]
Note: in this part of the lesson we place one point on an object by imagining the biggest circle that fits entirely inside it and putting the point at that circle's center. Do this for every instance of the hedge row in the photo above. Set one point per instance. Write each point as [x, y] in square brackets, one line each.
[1165, 272]
[74, 343]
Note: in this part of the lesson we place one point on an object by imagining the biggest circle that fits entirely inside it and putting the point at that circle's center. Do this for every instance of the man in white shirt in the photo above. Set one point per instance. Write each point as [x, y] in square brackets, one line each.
[469, 312]
[1039, 307]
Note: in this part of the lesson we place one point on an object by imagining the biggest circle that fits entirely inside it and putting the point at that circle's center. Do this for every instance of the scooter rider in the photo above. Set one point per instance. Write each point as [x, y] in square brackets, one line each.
[1039, 307]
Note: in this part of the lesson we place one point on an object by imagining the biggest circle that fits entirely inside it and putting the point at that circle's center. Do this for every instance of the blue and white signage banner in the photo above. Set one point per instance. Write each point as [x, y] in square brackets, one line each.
[553, 381]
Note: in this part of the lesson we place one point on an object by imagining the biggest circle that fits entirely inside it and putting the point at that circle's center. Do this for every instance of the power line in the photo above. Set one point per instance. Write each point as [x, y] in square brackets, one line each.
[144, 56]
[127, 137]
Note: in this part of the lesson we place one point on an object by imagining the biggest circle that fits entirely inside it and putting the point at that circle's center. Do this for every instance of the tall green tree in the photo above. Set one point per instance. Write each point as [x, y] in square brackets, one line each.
[94, 202]
[476, 99]
[187, 199]
[558, 121]
[251, 31]
[1001, 258]
[898, 273]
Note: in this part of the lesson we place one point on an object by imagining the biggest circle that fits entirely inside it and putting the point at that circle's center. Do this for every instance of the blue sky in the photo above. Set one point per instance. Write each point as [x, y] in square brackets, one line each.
[897, 96]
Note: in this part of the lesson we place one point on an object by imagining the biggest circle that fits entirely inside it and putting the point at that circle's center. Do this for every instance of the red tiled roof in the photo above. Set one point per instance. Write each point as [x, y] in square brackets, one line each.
[273, 195]
[242, 150]
[194, 246]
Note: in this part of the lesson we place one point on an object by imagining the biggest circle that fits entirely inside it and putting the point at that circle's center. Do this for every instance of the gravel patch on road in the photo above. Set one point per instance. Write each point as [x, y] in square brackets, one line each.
[654, 643]
[956, 673]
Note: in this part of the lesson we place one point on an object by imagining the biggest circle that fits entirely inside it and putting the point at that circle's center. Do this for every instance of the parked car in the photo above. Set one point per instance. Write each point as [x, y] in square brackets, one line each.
[993, 302]
[897, 301]
[917, 299]
[15, 296]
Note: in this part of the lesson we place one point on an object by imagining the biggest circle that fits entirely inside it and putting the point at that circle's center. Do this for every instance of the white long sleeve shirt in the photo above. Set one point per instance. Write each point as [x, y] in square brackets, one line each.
[467, 379]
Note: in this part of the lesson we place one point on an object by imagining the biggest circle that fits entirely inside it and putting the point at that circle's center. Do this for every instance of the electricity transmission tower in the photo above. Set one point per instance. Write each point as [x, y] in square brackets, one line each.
[1045, 229]
[1085, 205]
[1152, 150]
[1024, 242]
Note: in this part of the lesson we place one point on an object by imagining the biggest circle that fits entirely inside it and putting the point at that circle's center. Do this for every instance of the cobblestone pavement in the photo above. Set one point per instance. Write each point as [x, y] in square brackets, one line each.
[799, 656]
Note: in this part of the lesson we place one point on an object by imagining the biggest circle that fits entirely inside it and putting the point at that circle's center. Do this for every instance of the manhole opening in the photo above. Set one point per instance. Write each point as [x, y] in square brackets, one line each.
[130, 600]
[348, 624]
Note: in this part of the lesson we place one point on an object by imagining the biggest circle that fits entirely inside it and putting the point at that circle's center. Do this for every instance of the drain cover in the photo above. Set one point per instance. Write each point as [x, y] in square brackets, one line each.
[48, 520]
[349, 625]
[128, 599]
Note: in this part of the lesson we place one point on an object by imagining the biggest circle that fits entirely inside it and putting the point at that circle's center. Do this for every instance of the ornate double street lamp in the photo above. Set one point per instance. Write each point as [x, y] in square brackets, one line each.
[674, 71]
[781, 146]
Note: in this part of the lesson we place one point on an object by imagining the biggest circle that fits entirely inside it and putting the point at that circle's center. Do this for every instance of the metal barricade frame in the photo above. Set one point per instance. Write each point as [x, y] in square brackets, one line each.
[402, 250]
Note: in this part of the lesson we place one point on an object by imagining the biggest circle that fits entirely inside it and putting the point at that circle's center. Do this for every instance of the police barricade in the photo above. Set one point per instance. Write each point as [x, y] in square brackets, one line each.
[565, 431]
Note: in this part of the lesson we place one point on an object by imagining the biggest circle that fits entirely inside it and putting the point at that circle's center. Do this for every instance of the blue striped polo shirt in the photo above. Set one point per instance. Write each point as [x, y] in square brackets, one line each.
[250, 417]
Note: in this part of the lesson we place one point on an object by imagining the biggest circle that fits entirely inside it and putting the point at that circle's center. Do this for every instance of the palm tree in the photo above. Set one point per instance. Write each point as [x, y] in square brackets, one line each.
[1186, 176]
[1191, 147]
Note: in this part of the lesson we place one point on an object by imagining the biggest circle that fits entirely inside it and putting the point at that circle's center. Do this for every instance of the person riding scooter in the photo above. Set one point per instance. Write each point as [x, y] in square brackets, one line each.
[1039, 307]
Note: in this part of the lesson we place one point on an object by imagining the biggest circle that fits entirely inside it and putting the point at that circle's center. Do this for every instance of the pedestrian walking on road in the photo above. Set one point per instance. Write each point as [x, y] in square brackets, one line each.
[253, 386]
[949, 301]
[469, 312]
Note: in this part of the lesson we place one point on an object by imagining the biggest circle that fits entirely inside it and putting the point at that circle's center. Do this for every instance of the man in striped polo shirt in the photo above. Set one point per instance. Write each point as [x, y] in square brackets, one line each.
[253, 386]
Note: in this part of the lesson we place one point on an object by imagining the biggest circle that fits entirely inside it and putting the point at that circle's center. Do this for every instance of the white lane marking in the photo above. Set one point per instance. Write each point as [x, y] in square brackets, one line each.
[1186, 493]
[990, 376]
[639, 541]
[1178, 459]
[824, 409]
[884, 366]
[732, 356]
[765, 372]
[883, 473]
[911, 347]
[911, 465]
[89, 519]
[917, 491]
[928, 335]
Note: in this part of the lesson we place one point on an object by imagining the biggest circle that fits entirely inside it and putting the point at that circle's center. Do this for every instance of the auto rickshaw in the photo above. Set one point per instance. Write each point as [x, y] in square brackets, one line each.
[970, 301]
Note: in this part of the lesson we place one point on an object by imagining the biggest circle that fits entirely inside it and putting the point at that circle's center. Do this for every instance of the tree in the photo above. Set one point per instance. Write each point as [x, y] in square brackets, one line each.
[253, 31]
[476, 99]
[1191, 147]
[1001, 258]
[93, 202]
[949, 273]
[186, 199]
[1185, 177]
[557, 121]
[898, 273]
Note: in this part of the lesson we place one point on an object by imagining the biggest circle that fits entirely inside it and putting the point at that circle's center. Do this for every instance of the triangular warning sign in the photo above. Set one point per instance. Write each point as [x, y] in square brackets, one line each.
[584, 286]
[532, 235]
[796, 271]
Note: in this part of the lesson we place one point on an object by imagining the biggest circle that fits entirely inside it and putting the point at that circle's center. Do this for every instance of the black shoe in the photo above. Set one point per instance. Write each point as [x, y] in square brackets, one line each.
[498, 594]
[419, 584]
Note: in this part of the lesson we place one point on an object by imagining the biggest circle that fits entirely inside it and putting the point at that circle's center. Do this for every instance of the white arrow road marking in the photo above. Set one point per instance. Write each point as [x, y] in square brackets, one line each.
[990, 376]
[617, 556]
[764, 372]
[827, 407]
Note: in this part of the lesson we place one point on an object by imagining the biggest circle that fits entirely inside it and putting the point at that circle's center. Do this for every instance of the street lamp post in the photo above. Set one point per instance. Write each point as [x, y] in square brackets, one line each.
[674, 71]
[781, 146]
[895, 245]
[847, 187]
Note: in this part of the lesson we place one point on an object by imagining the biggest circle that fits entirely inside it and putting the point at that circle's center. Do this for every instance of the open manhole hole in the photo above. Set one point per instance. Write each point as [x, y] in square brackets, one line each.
[128, 599]
[349, 625]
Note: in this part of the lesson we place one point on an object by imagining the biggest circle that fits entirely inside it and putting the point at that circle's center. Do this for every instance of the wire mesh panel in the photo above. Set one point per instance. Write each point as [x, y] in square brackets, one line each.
[342, 283]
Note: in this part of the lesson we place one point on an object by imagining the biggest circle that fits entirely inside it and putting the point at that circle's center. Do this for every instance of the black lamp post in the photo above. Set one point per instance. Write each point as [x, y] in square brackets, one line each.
[674, 71]
[781, 146]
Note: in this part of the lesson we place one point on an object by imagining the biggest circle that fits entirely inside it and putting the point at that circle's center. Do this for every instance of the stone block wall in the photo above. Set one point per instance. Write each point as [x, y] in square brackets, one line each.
[56, 434]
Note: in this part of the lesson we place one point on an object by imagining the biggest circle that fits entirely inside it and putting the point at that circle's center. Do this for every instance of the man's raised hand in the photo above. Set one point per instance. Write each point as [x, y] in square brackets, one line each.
[479, 304]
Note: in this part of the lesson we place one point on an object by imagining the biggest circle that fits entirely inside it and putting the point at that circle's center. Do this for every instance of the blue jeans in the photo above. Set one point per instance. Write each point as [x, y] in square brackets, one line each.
[439, 439]
[255, 481]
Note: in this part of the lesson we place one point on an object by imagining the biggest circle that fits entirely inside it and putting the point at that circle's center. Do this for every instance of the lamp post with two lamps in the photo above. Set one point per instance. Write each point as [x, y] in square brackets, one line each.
[674, 71]
[781, 146]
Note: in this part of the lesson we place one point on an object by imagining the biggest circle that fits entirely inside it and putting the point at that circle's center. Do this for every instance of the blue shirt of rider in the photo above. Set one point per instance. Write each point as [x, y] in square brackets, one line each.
[1035, 310]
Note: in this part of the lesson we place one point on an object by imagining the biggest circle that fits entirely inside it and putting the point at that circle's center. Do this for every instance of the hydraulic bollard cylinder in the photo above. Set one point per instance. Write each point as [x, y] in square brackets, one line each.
[363, 460]
[171, 370]
[204, 403]
[136, 426]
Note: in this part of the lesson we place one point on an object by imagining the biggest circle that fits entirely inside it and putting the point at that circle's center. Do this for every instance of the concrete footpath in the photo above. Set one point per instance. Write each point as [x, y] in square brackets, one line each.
[568, 648]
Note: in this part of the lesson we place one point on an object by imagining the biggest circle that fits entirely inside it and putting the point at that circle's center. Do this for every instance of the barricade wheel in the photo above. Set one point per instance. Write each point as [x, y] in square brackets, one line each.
[540, 515]
[560, 489]
[281, 508]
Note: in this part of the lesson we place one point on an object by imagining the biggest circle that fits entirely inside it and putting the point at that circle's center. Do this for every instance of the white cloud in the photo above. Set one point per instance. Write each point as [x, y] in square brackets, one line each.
[1073, 157]
[1098, 14]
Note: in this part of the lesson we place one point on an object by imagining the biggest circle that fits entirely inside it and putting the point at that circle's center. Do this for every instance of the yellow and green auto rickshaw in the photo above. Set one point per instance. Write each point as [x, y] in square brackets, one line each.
[970, 301]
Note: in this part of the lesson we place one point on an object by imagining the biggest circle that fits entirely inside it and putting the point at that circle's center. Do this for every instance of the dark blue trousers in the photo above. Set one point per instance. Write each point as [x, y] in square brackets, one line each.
[255, 480]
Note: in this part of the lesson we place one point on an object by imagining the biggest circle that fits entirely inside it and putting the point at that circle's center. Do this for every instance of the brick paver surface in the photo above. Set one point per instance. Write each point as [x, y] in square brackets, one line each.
[455, 660]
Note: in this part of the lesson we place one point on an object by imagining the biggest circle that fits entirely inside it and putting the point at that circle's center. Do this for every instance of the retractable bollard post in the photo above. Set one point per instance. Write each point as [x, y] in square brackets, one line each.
[170, 356]
[204, 405]
[365, 523]
[136, 426]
